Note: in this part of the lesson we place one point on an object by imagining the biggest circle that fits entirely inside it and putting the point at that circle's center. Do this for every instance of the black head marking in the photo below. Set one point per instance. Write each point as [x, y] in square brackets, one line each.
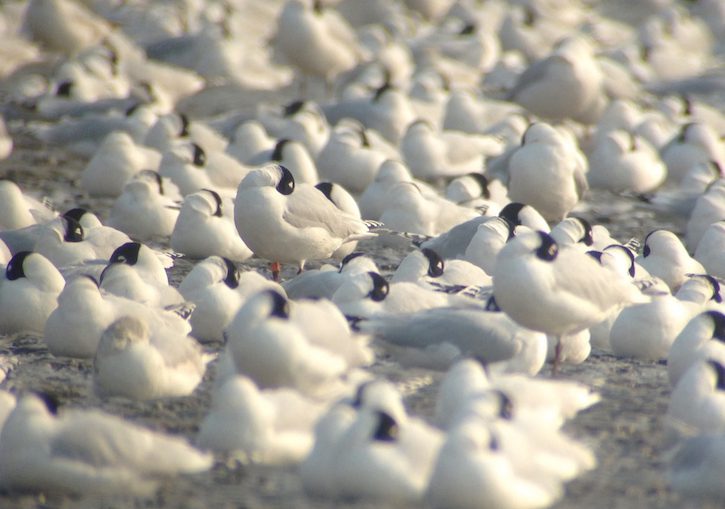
[199, 156]
[387, 429]
[73, 229]
[511, 213]
[232, 277]
[435, 262]
[716, 168]
[131, 110]
[587, 238]
[492, 305]
[523, 136]
[482, 181]
[278, 148]
[88, 276]
[510, 226]
[326, 189]
[217, 199]
[155, 176]
[280, 305]
[364, 140]
[715, 284]
[529, 16]
[64, 89]
[357, 399]
[720, 372]
[718, 320]
[548, 250]
[506, 406]
[682, 137]
[51, 401]
[293, 108]
[686, 104]
[493, 443]
[76, 213]
[159, 181]
[597, 255]
[126, 253]
[103, 273]
[184, 131]
[286, 183]
[349, 258]
[380, 91]
[469, 29]
[380, 287]
[646, 250]
[632, 269]
[14, 269]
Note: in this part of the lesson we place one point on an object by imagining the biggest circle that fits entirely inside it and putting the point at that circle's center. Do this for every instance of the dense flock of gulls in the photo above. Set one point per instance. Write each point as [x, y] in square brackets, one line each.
[461, 136]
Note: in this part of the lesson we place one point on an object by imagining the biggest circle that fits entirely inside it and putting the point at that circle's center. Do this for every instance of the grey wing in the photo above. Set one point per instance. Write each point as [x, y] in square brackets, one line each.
[535, 72]
[477, 333]
[308, 208]
[453, 243]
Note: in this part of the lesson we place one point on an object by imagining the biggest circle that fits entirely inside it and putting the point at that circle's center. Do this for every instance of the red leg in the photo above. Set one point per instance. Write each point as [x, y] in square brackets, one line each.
[276, 268]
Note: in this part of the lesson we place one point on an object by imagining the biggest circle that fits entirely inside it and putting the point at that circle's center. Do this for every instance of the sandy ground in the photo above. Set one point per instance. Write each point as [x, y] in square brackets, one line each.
[625, 429]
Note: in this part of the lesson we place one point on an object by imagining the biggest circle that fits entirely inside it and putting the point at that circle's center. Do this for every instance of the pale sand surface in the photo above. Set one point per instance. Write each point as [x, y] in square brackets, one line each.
[625, 429]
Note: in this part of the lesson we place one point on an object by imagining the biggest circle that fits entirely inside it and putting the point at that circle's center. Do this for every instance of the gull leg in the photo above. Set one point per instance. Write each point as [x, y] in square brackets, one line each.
[557, 357]
[276, 268]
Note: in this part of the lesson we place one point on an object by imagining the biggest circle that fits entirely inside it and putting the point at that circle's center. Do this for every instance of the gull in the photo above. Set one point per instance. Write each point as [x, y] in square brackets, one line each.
[697, 466]
[192, 168]
[432, 155]
[136, 272]
[473, 472]
[373, 200]
[454, 242]
[344, 201]
[28, 292]
[205, 227]
[436, 338]
[84, 312]
[547, 172]
[81, 452]
[258, 424]
[702, 338]
[117, 159]
[646, 331]
[218, 289]
[323, 282]
[349, 159]
[249, 142]
[19, 210]
[429, 270]
[371, 449]
[489, 239]
[565, 84]
[625, 162]
[133, 362]
[294, 156]
[665, 256]
[265, 345]
[710, 248]
[299, 120]
[709, 208]
[697, 403]
[317, 41]
[573, 232]
[147, 208]
[285, 224]
[556, 292]
[695, 143]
